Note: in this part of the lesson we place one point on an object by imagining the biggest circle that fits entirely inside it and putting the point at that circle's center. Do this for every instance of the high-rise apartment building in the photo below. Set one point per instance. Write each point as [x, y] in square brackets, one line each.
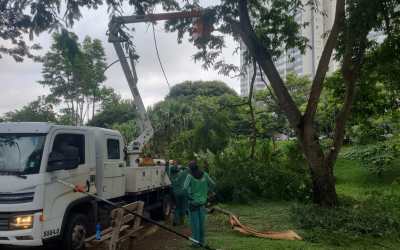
[319, 25]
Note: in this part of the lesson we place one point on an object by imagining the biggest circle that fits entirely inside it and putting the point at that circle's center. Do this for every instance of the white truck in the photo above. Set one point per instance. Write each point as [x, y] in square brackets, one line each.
[35, 208]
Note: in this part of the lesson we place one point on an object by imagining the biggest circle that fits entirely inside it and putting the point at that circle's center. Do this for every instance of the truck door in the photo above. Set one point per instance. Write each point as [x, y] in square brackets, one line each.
[114, 167]
[56, 195]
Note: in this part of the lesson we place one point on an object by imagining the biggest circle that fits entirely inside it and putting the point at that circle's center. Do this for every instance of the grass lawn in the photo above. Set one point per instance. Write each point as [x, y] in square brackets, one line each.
[352, 181]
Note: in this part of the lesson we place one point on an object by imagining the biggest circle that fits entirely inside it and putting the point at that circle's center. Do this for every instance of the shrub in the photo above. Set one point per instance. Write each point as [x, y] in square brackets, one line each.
[378, 215]
[272, 174]
[378, 157]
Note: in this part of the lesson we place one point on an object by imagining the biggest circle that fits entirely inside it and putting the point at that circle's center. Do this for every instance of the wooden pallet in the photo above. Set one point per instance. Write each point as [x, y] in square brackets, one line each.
[124, 227]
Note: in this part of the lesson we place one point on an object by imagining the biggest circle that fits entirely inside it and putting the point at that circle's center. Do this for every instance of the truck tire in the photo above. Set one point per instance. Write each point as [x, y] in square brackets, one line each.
[76, 232]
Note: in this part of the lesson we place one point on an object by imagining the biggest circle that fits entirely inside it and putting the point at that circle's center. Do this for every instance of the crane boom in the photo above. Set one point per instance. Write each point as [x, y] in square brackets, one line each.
[128, 67]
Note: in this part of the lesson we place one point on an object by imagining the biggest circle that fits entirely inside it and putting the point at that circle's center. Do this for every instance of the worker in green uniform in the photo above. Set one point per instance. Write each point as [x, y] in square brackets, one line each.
[172, 169]
[177, 175]
[181, 199]
[197, 186]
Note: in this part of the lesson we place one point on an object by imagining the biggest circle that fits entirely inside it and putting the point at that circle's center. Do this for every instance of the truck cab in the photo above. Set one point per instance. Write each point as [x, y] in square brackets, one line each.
[34, 207]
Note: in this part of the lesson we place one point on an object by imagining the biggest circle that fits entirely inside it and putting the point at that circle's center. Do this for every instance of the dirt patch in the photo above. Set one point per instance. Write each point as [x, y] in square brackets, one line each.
[155, 238]
[159, 239]
[162, 239]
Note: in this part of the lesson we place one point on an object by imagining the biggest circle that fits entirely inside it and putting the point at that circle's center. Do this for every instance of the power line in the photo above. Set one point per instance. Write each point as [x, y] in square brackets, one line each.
[158, 56]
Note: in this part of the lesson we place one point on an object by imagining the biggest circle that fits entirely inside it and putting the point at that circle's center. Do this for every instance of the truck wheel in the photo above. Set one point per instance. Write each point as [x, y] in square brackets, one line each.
[76, 232]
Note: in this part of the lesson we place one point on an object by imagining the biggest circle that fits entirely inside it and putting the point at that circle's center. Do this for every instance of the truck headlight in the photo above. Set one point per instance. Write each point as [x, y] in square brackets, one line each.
[21, 222]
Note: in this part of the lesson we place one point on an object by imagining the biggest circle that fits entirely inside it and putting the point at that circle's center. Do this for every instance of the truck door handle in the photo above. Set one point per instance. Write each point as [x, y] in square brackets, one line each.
[121, 165]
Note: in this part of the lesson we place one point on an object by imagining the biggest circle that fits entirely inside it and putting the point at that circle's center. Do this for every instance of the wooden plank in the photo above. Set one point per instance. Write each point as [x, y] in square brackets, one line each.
[131, 233]
[117, 216]
[139, 210]
[124, 226]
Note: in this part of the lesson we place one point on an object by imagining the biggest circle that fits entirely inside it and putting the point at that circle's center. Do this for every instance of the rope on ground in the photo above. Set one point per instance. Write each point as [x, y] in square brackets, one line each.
[245, 230]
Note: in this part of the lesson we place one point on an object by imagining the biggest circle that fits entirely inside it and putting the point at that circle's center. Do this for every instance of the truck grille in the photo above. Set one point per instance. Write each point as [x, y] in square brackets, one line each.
[4, 219]
[16, 198]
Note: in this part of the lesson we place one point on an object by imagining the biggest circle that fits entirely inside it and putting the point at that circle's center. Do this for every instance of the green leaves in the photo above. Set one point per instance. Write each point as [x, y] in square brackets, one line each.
[40, 110]
[277, 173]
[114, 114]
[74, 72]
[378, 157]
[195, 116]
[188, 89]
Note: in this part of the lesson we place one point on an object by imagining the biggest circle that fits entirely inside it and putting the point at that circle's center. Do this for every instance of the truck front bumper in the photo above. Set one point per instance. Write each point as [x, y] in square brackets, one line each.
[26, 237]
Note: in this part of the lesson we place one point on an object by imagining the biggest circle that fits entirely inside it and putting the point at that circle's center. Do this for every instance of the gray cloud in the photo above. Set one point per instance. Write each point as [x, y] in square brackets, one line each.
[19, 80]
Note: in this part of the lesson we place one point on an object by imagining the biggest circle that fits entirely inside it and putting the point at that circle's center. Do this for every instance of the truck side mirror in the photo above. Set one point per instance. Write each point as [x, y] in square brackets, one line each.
[67, 160]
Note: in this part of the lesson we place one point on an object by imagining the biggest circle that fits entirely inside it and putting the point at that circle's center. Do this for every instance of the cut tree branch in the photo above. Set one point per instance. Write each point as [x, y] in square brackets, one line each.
[323, 66]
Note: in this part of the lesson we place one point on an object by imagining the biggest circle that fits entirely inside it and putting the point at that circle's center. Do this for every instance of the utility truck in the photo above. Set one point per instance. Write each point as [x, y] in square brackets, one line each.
[35, 208]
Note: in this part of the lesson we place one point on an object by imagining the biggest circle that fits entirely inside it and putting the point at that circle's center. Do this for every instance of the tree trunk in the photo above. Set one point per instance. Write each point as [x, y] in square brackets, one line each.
[321, 168]
[253, 137]
[323, 180]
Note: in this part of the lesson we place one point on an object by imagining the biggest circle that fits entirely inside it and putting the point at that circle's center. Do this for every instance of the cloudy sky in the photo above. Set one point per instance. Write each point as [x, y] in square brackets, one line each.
[19, 80]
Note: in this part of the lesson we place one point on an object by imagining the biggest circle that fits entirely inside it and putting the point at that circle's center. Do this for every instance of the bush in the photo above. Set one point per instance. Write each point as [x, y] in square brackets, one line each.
[272, 174]
[379, 157]
[378, 215]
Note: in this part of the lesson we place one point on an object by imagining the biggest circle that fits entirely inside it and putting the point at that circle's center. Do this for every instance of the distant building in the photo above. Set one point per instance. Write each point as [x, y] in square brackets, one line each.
[320, 23]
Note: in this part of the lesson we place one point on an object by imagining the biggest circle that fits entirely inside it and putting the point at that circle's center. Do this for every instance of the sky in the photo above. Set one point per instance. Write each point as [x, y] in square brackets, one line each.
[19, 81]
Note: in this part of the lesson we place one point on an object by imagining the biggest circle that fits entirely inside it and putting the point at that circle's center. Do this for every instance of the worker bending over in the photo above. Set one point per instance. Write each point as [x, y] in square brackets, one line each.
[197, 185]
[181, 207]
[177, 175]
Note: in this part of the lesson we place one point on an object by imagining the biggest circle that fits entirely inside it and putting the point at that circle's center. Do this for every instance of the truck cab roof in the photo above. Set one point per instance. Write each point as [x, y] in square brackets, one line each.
[44, 128]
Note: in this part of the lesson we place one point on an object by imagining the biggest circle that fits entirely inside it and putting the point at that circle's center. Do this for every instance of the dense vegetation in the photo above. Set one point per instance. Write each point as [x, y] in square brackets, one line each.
[367, 216]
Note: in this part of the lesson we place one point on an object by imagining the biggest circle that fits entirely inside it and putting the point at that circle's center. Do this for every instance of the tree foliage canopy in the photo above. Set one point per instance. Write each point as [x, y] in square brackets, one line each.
[195, 116]
[190, 89]
[39, 110]
[74, 72]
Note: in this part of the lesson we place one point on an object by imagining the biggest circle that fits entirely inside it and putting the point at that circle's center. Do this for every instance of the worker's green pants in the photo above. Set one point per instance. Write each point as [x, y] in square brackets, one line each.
[180, 209]
[197, 220]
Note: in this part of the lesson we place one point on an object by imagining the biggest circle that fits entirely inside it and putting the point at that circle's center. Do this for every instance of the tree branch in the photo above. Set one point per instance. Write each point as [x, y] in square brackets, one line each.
[323, 66]
[351, 67]
[250, 103]
[263, 57]
[267, 86]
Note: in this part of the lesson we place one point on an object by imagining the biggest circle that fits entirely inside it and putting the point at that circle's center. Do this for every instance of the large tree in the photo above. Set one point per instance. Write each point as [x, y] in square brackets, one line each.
[193, 117]
[74, 72]
[267, 29]
[191, 89]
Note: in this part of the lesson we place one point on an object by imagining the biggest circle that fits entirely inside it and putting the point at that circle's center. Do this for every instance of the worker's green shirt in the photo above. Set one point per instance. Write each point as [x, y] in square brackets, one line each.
[197, 189]
[179, 181]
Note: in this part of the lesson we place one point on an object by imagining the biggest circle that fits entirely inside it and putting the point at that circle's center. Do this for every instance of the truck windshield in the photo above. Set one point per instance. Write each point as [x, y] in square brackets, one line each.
[21, 153]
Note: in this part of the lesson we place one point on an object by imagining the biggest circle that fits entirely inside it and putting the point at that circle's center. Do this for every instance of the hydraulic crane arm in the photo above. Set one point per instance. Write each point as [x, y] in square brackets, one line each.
[128, 67]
